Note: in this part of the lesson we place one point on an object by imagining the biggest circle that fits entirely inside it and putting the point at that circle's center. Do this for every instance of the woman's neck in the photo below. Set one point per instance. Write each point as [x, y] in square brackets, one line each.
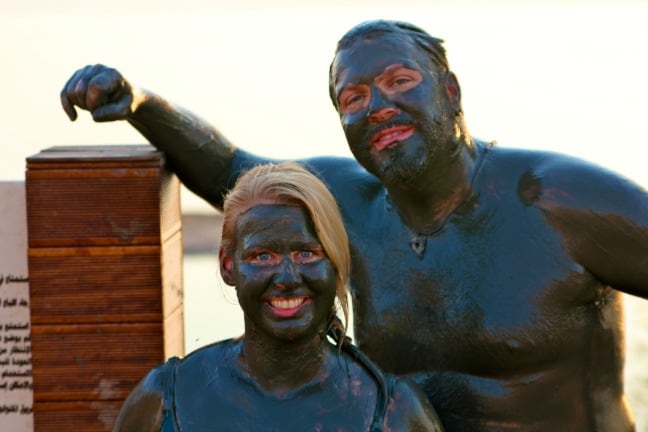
[281, 367]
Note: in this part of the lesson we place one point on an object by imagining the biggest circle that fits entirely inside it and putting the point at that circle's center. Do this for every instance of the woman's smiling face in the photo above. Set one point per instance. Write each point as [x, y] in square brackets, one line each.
[284, 280]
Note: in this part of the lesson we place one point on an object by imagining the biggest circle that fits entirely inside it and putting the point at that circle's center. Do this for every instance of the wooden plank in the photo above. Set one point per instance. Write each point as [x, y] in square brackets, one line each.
[88, 172]
[174, 340]
[173, 296]
[95, 288]
[92, 362]
[94, 251]
[87, 212]
[171, 274]
[83, 416]
[170, 214]
[113, 156]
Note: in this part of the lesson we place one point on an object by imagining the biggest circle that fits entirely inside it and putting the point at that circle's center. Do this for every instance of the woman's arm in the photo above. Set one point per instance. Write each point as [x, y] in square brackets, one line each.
[143, 409]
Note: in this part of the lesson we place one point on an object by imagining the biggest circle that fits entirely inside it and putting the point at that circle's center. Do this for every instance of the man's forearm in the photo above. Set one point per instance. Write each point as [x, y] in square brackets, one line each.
[195, 150]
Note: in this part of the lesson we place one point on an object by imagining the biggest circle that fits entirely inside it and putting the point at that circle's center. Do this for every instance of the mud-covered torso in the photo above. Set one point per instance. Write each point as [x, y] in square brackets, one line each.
[480, 283]
[212, 393]
[494, 317]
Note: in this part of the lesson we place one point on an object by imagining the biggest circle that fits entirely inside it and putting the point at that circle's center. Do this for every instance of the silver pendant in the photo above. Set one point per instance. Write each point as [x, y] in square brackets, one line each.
[418, 245]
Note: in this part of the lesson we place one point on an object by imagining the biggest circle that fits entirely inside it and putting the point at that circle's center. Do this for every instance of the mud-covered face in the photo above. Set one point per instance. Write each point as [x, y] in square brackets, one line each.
[393, 106]
[284, 280]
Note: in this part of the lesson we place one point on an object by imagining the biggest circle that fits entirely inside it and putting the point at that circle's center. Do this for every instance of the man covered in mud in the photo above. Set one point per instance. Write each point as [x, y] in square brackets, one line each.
[492, 276]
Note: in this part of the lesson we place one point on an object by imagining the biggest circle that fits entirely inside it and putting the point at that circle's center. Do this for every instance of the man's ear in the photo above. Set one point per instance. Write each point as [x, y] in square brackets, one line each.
[453, 91]
[226, 267]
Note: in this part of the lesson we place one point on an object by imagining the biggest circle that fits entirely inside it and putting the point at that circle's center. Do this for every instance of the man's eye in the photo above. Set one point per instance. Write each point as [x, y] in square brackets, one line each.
[400, 81]
[353, 102]
[354, 99]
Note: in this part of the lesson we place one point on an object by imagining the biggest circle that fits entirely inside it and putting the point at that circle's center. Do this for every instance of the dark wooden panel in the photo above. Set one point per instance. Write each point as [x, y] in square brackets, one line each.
[96, 156]
[106, 195]
[85, 416]
[93, 211]
[93, 362]
[95, 288]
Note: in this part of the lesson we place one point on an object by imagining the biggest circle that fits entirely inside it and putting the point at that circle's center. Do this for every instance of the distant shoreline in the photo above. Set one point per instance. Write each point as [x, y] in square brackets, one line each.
[201, 233]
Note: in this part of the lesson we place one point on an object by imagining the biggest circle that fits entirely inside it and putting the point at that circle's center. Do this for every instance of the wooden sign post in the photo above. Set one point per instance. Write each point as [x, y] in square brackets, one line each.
[105, 268]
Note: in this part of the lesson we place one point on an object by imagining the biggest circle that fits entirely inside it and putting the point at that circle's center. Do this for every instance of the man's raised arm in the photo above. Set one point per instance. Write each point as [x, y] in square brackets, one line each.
[200, 156]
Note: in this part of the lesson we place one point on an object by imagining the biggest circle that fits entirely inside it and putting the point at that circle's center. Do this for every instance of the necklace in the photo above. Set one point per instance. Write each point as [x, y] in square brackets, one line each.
[418, 239]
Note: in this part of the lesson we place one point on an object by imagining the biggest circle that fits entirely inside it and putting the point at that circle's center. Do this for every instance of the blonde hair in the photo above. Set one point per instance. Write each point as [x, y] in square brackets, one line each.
[290, 183]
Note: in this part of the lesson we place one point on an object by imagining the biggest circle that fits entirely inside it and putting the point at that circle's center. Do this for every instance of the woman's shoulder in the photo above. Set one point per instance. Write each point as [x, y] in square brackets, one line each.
[218, 354]
[146, 404]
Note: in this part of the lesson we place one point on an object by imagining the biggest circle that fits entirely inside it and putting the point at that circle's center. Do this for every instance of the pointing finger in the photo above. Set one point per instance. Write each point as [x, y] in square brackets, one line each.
[68, 107]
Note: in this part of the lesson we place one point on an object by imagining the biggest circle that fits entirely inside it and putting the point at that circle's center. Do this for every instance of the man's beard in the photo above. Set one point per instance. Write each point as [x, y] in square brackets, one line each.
[401, 167]
[408, 162]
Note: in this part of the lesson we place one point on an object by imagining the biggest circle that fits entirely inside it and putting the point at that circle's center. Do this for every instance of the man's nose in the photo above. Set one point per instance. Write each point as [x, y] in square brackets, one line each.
[381, 108]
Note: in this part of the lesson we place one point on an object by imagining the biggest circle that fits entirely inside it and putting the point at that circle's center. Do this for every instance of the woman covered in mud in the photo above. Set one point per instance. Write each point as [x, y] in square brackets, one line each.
[285, 250]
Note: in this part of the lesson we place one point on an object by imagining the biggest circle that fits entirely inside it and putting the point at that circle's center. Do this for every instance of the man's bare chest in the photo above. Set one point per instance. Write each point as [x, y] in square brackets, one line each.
[496, 291]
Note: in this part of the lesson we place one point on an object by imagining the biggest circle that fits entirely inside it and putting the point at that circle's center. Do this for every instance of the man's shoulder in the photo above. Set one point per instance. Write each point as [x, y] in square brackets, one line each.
[331, 167]
[527, 158]
[346, 178]
[516, 163]
[541, 161]
[551, 178]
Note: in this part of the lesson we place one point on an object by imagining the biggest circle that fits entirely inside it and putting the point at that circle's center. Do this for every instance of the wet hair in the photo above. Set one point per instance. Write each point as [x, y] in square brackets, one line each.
[409, 32]
[291, 184]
